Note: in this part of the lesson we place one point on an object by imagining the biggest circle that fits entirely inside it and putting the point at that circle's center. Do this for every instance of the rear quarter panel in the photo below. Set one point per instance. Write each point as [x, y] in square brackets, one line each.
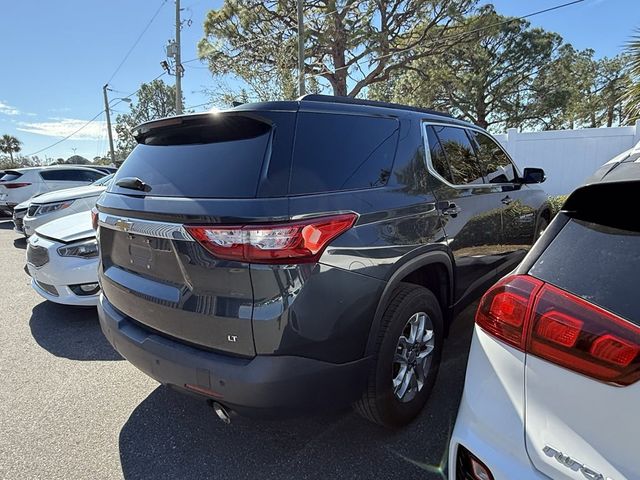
[593, 423]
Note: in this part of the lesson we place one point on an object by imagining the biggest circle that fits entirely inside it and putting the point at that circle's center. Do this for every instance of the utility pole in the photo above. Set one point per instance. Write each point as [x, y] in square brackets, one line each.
[301, 47]
[178, 62]
[106, 110]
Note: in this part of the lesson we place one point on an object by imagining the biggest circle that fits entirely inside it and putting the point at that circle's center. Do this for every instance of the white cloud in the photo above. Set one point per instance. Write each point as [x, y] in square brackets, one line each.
[62, 127]
[7, 109]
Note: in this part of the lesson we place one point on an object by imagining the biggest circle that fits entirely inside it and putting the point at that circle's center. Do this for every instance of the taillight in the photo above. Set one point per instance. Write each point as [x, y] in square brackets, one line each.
[555, 325]
[16, 185]
[504, 309]
[94, 218]
[293, 242]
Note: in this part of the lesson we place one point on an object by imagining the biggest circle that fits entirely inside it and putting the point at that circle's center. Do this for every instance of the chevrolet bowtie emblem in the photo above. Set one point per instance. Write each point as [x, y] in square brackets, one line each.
[123, 225]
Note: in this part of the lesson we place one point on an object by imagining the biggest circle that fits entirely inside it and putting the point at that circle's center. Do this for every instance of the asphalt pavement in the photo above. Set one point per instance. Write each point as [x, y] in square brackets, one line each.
[72, 408]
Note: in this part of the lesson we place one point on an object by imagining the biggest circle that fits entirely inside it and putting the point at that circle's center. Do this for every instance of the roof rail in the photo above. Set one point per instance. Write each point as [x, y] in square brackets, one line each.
[370, 103]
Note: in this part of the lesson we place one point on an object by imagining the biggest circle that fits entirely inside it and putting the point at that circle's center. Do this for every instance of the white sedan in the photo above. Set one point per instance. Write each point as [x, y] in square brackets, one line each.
[62, 260]
[50, 206]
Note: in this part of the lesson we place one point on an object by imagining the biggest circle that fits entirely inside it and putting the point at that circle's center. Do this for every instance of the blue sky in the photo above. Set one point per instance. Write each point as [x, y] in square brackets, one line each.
[56, 61]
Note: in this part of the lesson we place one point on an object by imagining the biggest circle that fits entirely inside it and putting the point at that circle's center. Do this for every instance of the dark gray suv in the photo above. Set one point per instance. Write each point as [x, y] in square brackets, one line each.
[282, 257]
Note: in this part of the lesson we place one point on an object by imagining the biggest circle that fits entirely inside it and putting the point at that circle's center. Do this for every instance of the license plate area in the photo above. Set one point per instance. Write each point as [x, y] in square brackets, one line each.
[150, 256]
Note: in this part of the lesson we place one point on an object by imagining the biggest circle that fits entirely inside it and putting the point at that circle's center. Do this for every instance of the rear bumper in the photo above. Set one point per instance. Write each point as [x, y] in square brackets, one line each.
[490, 421]
[260, 386]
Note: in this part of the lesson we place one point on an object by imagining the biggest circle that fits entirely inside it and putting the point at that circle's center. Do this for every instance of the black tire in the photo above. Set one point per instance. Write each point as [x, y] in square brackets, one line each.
[379, 403]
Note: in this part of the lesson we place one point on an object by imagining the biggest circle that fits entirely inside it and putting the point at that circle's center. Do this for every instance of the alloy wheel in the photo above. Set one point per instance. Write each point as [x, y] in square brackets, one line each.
[412, 357]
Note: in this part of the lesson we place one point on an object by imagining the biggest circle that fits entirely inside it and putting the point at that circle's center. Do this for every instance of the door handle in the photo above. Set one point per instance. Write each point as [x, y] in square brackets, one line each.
[507, 200]
[450, 208]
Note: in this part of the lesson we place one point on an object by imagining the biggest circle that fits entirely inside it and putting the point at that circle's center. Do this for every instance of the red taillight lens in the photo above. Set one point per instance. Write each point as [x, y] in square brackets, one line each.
[94, 218]
[562, 328]
[294, 242]
[16, 185]
[559, 328]
[504, 309]
[614, 350]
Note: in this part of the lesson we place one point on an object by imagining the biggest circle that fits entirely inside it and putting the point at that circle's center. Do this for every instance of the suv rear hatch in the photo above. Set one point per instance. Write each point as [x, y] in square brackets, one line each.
[224, 168]
[9, 181]
[583, 370]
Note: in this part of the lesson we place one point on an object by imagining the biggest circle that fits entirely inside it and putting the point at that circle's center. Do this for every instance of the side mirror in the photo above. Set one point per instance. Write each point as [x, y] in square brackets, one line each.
[533, 175]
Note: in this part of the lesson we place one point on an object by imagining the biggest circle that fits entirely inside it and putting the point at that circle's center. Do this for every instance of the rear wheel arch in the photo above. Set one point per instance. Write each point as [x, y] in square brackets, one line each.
[433, 270]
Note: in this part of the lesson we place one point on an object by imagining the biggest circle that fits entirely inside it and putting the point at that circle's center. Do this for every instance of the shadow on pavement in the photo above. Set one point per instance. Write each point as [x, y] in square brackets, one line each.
[20, 243]
[70, 332]
[171, 435]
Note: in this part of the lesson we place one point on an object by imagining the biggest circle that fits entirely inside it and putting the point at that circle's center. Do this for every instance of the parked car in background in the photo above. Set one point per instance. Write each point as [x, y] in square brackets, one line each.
[62, 260]
[553, 377]
[19, 212]
[21, 184]
[310, 269]
[49, 206]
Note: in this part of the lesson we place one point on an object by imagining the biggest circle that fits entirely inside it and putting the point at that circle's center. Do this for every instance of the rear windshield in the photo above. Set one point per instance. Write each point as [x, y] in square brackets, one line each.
[222, 159]
[342, 152]
[598, 263]
[10, 176]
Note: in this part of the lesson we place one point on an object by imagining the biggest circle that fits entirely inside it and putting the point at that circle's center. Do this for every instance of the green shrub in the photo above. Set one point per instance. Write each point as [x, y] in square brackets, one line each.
[556, 202]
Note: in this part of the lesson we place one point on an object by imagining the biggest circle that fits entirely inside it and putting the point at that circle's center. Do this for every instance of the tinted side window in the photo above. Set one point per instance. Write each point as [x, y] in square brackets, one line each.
[495, 164]
[611, 275]
[55, 175]
[460, 154]
[70, 175]
[10, 176]
[438, 159]
[342, 152]
[89, 175]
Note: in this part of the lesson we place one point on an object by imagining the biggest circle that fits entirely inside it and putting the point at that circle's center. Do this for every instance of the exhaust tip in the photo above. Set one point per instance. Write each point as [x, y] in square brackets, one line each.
[222, 413]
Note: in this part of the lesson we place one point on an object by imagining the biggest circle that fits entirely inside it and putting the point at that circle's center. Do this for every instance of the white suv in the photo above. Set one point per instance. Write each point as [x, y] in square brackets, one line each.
[553, 379]
[21, 184]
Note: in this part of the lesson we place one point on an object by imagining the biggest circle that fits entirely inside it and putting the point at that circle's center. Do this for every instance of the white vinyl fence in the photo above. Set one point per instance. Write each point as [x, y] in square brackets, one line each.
[568, 157]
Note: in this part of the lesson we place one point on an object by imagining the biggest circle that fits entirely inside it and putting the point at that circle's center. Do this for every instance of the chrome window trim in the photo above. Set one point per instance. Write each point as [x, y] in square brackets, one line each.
[432, 170]
[149, 228]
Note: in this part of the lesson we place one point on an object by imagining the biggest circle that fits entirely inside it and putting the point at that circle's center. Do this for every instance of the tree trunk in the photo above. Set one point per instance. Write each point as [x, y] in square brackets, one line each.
[11, 156]
[610, 116]
[338, 49]
[593, 120]
[481, 112]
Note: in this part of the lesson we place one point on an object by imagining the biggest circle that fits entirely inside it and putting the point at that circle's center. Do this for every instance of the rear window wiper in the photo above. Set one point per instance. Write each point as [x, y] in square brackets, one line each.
[133, 183]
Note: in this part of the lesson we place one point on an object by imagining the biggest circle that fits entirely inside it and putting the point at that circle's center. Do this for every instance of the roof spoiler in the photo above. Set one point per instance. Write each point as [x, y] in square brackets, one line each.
[611, 203]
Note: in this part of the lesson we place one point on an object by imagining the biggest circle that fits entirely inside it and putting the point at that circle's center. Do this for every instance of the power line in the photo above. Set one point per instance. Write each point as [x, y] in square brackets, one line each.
[120, 100]
[137, 40]
[200, 105]
[462, 34]
[68, 136]
[90, 121]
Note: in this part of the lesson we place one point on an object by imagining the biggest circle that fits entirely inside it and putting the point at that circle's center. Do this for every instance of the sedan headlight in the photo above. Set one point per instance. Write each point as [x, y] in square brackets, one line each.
[52, 207]
[85, 249]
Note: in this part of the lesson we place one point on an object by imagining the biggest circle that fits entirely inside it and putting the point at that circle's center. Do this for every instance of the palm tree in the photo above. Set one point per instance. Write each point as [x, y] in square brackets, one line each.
[632, 97]
[10, 144]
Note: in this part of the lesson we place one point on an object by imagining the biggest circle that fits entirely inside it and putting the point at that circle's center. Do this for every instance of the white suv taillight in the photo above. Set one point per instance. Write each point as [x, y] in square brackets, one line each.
[552, 324]
[293, 242]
